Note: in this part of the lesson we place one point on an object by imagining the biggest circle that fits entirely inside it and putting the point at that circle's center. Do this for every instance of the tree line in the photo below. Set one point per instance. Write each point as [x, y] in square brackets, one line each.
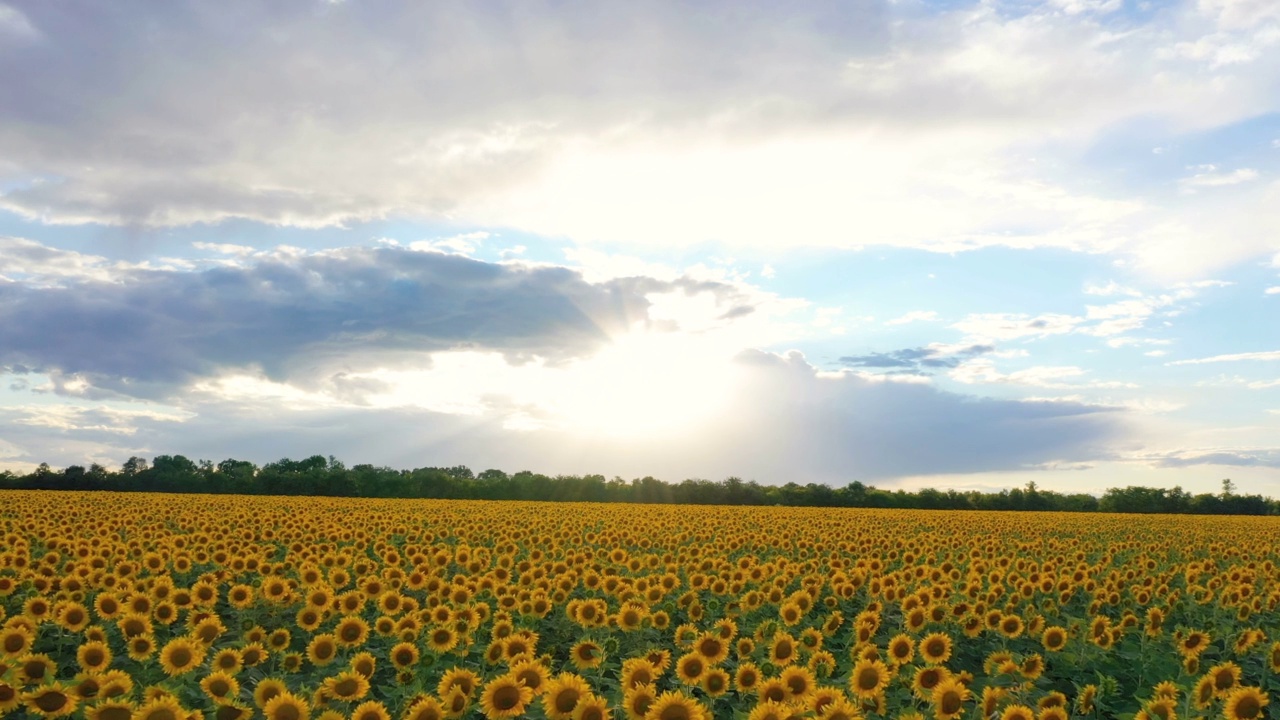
[321, 476]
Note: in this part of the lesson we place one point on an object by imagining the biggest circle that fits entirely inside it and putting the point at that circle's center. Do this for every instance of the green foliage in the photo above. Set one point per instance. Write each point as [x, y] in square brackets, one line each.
[321, 476]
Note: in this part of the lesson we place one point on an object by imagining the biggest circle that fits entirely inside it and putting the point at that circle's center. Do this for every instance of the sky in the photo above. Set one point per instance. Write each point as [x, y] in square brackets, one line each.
[948, 243]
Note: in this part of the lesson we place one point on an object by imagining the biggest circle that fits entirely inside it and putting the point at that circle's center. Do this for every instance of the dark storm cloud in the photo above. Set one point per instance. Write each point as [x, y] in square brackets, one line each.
[147, 330]
[917, 359]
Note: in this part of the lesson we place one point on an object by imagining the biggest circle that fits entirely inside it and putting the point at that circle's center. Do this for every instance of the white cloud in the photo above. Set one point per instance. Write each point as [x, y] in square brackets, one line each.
[1111, 288]
[462, 244]
[982, 370]
[1209, 176]
[914, 316]
[1233, 357]
[635, 125]
[1273, 290]
[1012, 326]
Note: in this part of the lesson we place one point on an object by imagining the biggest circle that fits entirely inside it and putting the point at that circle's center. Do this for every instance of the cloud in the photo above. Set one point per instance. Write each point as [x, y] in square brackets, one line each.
[1273, 290]
[1232, 357]
[295, 314]
[1109, 320]
[830, 124]
[918, 359]
[1012, 326]
[784, 421]
[15, 25]
[984, 371]
[1259, 457]
[1209, 176]
[914, 316]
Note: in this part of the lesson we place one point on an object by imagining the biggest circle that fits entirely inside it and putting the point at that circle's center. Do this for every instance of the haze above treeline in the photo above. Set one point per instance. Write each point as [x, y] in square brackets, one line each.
[321, 476]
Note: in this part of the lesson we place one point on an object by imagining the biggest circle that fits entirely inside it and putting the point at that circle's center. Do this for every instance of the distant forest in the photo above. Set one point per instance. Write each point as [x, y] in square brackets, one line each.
[322, 476]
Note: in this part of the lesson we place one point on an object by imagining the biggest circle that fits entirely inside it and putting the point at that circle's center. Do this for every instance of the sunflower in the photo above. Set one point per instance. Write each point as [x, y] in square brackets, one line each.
[404, 655]
[1203, 692]
[227, 660]
[72, 616]
[286, 706]
[309, 618]
[868, 679]
[592, 707]
[351, 631]
[799, 682]
[94, 656]
[562, 695]
[747, 677]
[220, 686]
[34, 668]
[346, 686]
[1225, 676]
[636, 701]
[1085, 700]
[322, 649]
[459, 678]
[114, 684]
[1245, 703]
[180, 656]
[504, 697]
[10, 698]
[926, 679]
[690, 668]
[427, 708]
[370, 710]
[1010, 626]
[110, 710]
[16, 640]
[267, 690]
[771, 710]
[1018, 712]
[840, 710]
[901, 650]
[1054, 638]
[53, 700]
[675, 705]
[163, 708]
[782, 651]
[586, 654]
[712, 646]
[935, 648]
[949, 697]
[253, 653]
[1032, 666]
[1193, 643]
[534, 675]
[442, 639]
[132, 625]
[455, 703]
[1058, 713]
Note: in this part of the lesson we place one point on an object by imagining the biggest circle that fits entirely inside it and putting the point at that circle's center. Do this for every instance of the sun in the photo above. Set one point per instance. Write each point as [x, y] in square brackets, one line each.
[645, 384]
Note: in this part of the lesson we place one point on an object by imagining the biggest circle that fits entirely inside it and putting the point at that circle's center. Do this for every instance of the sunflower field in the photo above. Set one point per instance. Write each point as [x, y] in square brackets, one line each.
[173, 607]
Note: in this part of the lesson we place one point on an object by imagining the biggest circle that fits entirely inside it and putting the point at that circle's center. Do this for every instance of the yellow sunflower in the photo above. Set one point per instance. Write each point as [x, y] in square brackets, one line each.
[286, 706]
[676, 706]
[868, 679]
[504, 697]
[346, 686]
[949, 697]
[1245, 703]
[220, 686]
[50, 701]
[562, 695]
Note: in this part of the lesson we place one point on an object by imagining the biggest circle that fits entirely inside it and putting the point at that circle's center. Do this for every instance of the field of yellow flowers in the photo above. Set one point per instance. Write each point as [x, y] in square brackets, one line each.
[165, 607]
